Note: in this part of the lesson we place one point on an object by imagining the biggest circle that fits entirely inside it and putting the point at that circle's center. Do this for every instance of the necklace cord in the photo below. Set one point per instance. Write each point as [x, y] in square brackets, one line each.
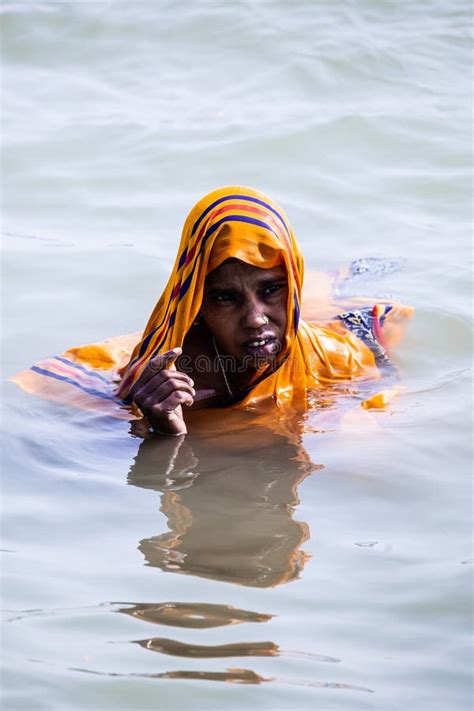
[219, 360]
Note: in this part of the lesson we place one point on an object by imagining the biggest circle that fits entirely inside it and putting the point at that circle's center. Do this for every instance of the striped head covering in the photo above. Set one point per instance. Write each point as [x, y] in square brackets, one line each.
[232, 222]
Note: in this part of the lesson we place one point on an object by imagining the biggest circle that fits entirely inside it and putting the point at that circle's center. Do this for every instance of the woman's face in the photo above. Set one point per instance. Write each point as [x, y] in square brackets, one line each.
[244, 308]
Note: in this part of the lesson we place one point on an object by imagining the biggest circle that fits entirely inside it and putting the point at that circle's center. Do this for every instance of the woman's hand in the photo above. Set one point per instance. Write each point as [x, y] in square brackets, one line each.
[161, 391]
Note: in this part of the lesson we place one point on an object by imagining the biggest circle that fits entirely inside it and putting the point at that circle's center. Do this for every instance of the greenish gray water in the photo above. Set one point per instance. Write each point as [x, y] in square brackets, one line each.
[135, 576]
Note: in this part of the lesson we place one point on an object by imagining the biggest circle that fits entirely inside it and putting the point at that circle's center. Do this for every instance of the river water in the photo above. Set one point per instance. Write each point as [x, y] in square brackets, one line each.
[332, 574]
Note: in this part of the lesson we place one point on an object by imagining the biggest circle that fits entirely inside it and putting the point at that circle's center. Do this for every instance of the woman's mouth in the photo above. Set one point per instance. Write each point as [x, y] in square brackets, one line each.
[261, 347]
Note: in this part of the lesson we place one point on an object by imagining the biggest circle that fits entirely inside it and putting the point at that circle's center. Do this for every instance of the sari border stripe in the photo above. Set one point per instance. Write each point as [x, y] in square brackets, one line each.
[64, 378]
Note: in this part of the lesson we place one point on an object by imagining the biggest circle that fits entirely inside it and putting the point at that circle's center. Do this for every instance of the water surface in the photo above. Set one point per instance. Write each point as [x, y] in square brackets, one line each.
[326, 567]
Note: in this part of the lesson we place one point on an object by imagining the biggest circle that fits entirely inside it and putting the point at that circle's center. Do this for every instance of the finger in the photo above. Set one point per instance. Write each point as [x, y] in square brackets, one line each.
[149, 388]
[158, 363]
[169, 404]
[164, 390]
[204, 394]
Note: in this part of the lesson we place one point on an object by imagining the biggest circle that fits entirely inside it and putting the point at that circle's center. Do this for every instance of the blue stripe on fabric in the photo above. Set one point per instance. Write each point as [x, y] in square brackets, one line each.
[296, 316]
[185, 286]
[64, 378]
[388, 308]
[182, 259]
[147, 340]
[238, 197]
[241, 218]
[81, 368]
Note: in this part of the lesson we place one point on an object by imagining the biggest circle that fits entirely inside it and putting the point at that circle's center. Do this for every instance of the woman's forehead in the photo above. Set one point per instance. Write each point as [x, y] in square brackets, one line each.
[234, 270]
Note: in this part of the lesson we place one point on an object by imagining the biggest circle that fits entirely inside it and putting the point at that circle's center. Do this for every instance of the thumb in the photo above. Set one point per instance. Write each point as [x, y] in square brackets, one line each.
[159, 362]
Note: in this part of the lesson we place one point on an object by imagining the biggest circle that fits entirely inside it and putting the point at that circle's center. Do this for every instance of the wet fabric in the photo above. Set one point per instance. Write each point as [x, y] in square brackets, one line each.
[233, 222]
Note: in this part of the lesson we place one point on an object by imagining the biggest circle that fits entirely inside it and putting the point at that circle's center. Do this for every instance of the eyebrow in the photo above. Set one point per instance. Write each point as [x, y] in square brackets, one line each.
[272, 278]
[261, 282]
[264, 280]
[218, 289]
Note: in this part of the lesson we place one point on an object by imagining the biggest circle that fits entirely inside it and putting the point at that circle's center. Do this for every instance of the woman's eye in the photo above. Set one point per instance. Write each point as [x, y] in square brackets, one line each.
[272, 289]
[223, 297]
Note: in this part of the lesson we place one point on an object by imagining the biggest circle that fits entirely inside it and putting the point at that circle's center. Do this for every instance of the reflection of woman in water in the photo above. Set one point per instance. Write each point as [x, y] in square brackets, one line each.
[226, 331]
[230, 517]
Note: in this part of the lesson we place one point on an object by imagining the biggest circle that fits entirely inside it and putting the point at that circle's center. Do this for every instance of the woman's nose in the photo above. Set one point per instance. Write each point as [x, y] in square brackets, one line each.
[254, 316]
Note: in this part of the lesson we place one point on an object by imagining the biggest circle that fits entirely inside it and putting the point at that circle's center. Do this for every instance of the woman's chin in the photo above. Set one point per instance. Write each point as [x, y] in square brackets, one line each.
[258, 361]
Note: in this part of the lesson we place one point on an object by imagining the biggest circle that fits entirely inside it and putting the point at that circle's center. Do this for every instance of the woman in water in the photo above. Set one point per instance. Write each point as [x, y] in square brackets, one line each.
[227, 329]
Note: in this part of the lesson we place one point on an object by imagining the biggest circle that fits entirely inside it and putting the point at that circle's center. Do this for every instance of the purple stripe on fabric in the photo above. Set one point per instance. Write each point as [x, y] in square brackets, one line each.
[89, 391]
